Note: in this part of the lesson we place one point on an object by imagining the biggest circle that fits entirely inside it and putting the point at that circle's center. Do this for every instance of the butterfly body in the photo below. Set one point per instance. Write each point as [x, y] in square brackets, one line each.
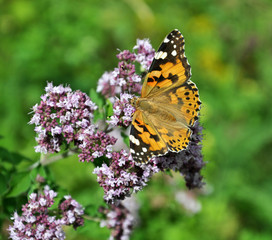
[168, 105]
[151, 107]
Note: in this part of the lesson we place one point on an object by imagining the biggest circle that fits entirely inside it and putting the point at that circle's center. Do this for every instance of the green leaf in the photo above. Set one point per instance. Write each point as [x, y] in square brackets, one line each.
[168, 172]
[98, 114]
[57, 201]
[42, 172]
[91, 210]
[126, 138]
[33, 174]
[20, 183]
[99, 161]
[3, 185]
[96, 98]
[10, 157]
[33, 188]
[109, 108]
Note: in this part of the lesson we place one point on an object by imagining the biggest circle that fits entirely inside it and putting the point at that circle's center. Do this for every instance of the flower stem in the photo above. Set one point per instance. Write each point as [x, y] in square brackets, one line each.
[92, 218]
[46, 161]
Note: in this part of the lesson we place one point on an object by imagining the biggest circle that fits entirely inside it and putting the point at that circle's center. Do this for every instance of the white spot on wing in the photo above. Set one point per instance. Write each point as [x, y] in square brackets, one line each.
[161, 55]
[174, 53]
[164, 55]
[131, 138]
[144, 149]
[166, 40]
[134, 140]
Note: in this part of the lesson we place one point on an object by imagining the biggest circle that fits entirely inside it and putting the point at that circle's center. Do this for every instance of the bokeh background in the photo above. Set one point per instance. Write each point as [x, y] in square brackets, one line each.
[228, 44]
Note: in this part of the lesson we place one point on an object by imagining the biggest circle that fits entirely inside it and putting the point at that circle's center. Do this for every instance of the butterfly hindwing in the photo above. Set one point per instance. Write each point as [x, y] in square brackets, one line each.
[176, 139]
[184, 102]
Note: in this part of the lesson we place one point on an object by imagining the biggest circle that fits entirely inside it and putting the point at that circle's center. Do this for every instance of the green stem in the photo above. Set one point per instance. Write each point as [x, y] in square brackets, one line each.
[92, 218]
[46, 161]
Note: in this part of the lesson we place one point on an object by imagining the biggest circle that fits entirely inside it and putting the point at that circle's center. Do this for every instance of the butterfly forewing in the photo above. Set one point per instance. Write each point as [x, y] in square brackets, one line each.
[145, 141]
[169, 66]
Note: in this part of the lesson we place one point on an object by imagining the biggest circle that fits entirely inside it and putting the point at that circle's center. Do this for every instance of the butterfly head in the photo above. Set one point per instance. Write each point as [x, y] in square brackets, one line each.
[134, 102]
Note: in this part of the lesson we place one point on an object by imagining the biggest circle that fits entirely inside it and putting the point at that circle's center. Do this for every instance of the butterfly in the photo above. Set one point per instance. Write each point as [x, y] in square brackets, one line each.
[168, 106]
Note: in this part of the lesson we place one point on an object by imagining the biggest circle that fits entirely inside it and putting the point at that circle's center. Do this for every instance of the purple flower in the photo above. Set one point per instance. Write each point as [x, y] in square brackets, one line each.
[123, 177]
[124, 79]
[145, 53]
[94, 144]
[107, 84]
[188, 200]
[65, 117]
[40, 179]
[72, 212]
[122, 111]
[126, 55]
[58, 115]
[38, 221]
[119, 220]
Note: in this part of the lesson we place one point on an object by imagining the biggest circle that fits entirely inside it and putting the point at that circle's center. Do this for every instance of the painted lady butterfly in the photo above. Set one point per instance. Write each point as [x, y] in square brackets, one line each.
[168, 106]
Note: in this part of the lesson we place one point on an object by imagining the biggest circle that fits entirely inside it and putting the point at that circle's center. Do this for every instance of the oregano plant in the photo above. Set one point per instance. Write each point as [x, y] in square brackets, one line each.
[94, 128]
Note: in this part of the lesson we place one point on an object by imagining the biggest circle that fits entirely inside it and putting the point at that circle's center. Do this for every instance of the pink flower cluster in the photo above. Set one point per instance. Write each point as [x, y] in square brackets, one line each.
[123, 177]
[119, 220]
[124, 78]
[39, 222]
[122, 111]
[94, 145]
[71, 212]
[145, 53]
[123, 83]
[64, 117]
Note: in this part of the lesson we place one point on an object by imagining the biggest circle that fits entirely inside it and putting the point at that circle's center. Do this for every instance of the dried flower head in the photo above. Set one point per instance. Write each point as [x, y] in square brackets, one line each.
[188, 162]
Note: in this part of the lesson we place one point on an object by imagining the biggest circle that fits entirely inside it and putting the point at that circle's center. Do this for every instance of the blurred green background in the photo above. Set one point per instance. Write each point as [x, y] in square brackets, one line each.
[228, 44]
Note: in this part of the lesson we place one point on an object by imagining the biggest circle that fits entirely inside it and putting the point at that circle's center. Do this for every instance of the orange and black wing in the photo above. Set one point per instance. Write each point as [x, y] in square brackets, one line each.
[169, 67]
[145, 142]
[168, 87]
